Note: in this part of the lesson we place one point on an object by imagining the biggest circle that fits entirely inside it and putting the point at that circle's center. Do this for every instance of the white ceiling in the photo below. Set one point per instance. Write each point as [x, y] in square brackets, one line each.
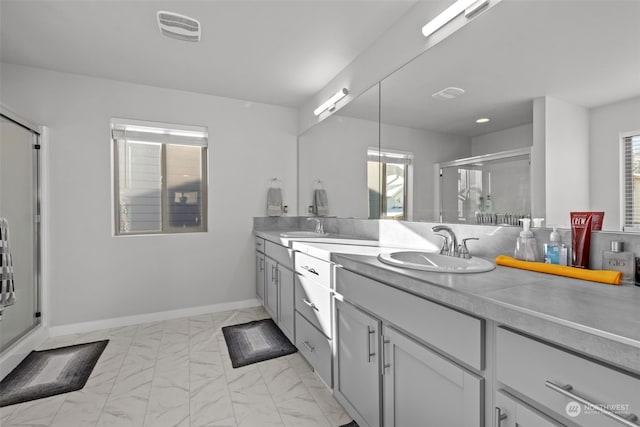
[586, 53]
[277, 52]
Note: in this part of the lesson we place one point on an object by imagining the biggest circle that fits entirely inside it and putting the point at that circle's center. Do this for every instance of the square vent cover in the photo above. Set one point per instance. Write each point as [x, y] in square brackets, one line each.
[179, 26]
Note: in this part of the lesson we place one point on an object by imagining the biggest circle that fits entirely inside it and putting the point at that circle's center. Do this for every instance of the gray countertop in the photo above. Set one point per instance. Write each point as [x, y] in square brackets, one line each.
[276, 237]
[602, 321]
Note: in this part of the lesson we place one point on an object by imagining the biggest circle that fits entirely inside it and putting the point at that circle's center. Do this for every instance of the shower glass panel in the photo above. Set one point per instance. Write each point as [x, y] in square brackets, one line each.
[19, 205]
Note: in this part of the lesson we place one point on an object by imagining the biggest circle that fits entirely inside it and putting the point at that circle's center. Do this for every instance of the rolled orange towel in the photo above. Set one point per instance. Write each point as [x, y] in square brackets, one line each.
[603, 276]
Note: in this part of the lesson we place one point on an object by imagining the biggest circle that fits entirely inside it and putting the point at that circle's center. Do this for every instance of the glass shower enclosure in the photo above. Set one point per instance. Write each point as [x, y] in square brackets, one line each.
[20, 207]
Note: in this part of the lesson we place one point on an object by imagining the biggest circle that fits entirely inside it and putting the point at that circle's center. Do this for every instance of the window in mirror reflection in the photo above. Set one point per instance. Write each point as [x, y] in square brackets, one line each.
[631, 145]
[389, 180]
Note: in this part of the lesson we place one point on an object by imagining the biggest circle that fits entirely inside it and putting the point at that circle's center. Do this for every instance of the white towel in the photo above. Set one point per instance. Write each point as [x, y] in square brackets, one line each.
[320, 202]
[274, 202]
[7, 289]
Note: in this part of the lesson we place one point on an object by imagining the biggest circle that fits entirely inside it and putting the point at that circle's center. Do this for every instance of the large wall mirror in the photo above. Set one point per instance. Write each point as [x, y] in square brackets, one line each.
[559, 82]
[333, 156]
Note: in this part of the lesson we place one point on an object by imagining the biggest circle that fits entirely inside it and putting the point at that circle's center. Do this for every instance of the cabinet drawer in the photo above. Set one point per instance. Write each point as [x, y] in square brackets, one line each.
[532, 368]
[455, 333]
[315, 347]
[314, 303]
[259, 244]
[282, 255]
[313, 268]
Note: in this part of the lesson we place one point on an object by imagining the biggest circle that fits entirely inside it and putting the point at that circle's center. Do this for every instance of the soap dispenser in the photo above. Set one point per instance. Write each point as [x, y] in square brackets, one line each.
[526, 245]
[555, 252]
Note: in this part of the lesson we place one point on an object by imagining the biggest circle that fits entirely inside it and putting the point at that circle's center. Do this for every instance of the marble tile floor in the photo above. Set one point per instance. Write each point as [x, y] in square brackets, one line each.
[178, 373]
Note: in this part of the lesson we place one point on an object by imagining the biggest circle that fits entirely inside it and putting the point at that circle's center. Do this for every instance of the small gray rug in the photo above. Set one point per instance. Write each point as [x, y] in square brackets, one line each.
[49, 372]
[256, 341]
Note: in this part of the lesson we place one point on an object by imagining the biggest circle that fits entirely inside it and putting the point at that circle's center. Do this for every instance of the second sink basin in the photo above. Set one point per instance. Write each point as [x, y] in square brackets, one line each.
[429, 261]
[303, 234]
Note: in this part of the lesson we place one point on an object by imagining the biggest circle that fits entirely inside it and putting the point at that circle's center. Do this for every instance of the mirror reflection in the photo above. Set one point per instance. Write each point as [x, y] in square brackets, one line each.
[557, 80]
[333, 156]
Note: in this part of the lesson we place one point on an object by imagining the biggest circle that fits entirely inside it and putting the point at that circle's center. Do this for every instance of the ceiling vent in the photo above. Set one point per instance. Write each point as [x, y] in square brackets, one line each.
[448, 93]
[179, 26]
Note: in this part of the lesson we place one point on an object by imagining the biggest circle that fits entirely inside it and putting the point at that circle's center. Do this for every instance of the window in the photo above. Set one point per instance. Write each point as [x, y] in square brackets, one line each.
[388, 178]
[631, 189]
[160, 174]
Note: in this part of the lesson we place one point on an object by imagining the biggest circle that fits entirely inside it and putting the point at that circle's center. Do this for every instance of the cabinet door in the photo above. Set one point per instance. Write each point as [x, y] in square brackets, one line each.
[511, 412]
[423, 388]
[271, 288]
[356, 363]
[286, 301]
[260, 275]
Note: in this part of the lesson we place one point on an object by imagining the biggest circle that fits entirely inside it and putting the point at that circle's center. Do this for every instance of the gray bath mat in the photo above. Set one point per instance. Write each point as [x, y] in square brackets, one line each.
[256, 341]
[50, 372]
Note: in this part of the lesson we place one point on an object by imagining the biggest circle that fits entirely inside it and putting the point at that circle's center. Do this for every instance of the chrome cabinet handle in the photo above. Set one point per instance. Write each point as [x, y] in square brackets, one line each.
[385, 365]
[277, 276]
[273, 274]
[369, 353]
[261, 264]
[566, 390]
[499, 417]
[310, 270]
[310, 304]
[309, 346]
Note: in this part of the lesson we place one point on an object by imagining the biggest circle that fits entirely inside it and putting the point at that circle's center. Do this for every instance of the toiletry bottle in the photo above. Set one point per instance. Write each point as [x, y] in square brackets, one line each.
[526, 245]
[488, 204]
[619, 260]
[555, 252]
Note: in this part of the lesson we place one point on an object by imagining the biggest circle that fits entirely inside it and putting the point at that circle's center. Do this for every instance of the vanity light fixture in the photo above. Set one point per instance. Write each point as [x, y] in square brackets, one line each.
[330, 104]
[469, 7]
[483, 120]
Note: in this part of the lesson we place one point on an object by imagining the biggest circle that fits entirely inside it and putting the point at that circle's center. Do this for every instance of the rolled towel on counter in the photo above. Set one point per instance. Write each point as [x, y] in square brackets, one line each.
[603, 276]
[320, 202]
[274, 202]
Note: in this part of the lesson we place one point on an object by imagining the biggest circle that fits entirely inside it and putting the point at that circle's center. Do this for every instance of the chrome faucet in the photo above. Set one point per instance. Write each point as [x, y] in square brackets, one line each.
[319, 225]
[450, 246]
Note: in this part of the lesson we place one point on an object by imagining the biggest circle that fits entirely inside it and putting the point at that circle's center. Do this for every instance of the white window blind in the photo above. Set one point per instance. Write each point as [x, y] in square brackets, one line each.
[160, 177]
[631, 190]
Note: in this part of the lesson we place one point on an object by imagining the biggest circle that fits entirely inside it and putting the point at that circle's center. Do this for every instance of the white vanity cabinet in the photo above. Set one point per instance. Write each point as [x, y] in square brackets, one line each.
[357, 382]
[385, 370]
[572, 389]
[512, 412]
[313, 306]
[279, 287]
[260, 269]
[421, 387]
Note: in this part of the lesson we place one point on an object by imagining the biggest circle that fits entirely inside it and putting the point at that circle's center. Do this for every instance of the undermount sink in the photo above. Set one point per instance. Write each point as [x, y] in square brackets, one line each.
[303, 234]
[429, 261]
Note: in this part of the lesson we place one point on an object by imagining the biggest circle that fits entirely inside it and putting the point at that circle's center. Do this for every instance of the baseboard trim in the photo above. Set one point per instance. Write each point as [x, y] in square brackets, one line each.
[75, 328]
[12, 356]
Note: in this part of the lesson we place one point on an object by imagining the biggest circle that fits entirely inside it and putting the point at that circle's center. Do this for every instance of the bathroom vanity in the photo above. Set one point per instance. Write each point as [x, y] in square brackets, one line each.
[402, 347]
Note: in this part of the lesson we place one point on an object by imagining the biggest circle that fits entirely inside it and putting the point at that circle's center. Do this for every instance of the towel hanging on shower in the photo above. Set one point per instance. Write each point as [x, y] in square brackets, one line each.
[7, 289]
[274, 198]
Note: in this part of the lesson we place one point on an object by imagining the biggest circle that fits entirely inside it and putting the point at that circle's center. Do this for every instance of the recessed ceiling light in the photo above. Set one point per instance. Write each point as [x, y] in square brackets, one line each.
[483, 120]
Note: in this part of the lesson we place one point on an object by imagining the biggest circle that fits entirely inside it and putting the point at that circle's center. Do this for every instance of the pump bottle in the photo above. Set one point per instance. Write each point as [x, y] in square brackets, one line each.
[526, 245]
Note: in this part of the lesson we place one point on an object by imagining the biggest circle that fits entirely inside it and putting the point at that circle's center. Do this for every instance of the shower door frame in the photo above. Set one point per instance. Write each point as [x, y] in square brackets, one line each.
[37, 220]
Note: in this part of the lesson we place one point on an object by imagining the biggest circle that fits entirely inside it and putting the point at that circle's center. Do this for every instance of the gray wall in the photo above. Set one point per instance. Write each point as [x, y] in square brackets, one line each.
[94, 275]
